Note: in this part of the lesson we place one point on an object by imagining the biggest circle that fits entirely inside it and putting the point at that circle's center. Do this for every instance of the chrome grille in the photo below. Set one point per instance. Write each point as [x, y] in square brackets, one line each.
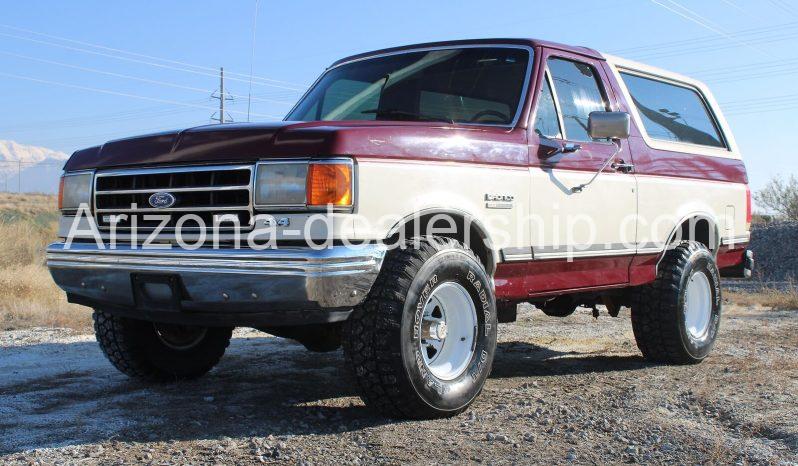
[206, 191]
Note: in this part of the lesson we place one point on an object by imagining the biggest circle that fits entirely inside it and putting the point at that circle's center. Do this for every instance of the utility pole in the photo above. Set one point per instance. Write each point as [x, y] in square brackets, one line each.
[19, 176]
[223, 117]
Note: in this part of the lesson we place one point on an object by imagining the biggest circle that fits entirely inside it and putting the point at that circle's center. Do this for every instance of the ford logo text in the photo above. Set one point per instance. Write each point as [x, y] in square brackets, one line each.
[162, 200]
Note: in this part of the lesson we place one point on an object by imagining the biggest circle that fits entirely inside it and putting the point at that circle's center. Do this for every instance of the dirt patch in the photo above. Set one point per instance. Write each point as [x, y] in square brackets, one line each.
[562, 390]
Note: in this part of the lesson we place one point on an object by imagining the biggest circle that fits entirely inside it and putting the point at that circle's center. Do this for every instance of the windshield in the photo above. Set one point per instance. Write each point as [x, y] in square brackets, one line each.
[467, 85]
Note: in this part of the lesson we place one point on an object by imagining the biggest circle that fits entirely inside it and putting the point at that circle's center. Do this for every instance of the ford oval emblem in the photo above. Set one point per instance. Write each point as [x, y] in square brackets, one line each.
[162, 200]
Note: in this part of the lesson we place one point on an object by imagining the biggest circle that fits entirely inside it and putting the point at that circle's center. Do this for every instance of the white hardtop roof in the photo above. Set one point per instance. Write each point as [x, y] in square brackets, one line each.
[618, 64]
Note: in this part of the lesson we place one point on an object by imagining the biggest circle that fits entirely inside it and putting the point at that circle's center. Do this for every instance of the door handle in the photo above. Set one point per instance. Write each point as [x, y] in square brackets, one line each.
[621, 166]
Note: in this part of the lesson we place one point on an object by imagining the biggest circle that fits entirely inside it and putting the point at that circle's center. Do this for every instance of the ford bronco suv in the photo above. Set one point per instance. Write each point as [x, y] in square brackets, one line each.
[407, 204]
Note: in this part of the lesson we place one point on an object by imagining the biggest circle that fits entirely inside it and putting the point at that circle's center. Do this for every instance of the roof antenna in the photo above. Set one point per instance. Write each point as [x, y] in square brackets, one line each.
[252, 56]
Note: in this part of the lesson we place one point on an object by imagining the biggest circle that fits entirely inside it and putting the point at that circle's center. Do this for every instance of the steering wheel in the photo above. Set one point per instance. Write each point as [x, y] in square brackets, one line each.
[493, 113]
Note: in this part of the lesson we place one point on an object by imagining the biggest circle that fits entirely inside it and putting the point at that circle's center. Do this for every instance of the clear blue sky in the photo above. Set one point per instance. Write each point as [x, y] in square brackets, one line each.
[745, 50]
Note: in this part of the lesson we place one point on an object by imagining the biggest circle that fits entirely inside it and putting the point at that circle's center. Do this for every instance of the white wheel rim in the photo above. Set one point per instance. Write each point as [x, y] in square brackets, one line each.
[698, 305]
[449, 329]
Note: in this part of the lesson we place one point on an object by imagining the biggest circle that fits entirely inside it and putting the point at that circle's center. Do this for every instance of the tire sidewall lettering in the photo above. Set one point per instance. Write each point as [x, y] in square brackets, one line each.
[450, 266]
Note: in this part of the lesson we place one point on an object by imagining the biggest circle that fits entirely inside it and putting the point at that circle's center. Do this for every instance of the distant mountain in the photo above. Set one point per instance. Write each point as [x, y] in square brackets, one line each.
[36, 168]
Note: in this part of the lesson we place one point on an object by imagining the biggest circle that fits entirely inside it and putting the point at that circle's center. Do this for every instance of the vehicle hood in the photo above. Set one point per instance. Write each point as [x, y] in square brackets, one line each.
[203, 144]
[249, 142]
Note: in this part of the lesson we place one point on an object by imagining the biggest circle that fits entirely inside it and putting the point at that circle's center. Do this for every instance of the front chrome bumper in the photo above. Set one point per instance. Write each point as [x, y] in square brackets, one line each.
[217, 282]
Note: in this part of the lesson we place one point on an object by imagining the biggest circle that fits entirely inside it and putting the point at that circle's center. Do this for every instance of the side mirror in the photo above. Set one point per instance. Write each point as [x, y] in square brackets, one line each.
[608, 125]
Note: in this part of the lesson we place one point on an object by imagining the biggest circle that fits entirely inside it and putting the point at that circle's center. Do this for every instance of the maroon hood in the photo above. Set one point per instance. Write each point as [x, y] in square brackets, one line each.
[248, 142]
[211, 143]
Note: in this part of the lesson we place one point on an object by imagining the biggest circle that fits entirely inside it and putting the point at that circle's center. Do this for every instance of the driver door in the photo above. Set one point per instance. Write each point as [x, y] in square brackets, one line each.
[579, 239]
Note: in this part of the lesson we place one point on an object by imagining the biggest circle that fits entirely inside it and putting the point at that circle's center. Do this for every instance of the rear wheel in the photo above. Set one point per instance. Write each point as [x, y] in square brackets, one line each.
[159, 352]
[676, 319]
[422, 343]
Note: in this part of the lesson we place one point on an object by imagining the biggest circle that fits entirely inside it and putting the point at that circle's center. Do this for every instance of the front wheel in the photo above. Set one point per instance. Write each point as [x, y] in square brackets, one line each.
[676, 319]
[422, 344]
[159, 352]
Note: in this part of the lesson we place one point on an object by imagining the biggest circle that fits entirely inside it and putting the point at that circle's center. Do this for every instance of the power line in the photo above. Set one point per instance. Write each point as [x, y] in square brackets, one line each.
[111, 135]
[124, 76]
[715, 47]
[136, 54]
[95, 120]
[134, 60]
[761, 110]
[725, 70]
[751, 33]
[734, 5]
[783, 6]
[701, 21]
[122, 94]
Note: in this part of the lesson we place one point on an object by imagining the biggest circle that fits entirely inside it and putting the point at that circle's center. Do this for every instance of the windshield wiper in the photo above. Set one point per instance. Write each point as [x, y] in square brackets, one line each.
[406, 113]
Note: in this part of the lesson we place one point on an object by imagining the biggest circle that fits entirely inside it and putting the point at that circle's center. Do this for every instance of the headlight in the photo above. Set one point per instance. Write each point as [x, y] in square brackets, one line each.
[281, 184]
[74, 190]
[305, 184]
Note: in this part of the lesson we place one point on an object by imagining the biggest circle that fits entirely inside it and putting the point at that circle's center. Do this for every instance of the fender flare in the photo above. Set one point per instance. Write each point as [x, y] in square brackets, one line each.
[700, 215]
[482, 232]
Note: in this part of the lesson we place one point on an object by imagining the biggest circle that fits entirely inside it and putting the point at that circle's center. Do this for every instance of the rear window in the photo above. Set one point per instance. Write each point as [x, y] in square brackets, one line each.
[673, 113]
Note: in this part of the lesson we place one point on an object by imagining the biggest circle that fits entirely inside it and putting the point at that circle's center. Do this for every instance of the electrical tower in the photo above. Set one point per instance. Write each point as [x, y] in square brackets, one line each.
[221, 116]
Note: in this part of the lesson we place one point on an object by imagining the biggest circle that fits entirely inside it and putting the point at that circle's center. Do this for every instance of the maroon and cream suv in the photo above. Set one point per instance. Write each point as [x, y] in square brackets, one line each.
[410, 201]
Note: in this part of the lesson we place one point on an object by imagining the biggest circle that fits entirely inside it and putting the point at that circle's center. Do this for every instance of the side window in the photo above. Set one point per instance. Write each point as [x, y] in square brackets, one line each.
[578, 93]
[673, 113]
[547, 123]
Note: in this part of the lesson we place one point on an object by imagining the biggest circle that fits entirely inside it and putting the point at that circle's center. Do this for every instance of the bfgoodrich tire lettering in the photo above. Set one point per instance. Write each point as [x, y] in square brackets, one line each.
[381, 338]
[661, 312]
[137, 350]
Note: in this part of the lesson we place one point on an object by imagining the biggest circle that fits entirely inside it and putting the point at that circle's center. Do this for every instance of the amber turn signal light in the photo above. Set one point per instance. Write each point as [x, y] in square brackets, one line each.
[61, 193]
[329, 184]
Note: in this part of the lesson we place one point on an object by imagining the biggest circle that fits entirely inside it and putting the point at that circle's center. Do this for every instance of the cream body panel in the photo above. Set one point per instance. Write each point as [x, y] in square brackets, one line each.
[597, 221]
[665, 202]
[390, 191]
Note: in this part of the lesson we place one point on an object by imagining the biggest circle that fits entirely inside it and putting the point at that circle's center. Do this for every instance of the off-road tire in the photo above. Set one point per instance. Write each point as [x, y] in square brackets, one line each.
[133, 347]
[378, 337]
[658, 309]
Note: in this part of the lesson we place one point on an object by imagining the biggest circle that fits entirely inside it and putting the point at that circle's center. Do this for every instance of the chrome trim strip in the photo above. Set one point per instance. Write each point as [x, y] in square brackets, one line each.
[651, 250]
[517, 254]
[739, 239]
[174, 190]
[175, 169]
[521, 100]
[565, 252]
[306, 262]
[585, 254]
[176, 209]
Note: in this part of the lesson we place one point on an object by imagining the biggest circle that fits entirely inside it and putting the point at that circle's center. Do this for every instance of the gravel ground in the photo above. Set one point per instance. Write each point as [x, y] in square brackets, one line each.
[562, 390]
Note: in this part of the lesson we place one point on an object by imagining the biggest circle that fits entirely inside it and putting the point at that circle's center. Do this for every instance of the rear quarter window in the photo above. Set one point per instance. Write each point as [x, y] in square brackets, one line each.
[673, 113]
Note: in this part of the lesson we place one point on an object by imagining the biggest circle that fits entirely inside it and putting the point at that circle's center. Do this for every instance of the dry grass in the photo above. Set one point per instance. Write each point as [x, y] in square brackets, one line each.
[28, 296]
[769, 298]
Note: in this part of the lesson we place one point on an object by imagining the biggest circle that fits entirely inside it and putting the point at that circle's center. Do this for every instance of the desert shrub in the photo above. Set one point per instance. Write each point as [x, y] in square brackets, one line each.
[780, 196]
